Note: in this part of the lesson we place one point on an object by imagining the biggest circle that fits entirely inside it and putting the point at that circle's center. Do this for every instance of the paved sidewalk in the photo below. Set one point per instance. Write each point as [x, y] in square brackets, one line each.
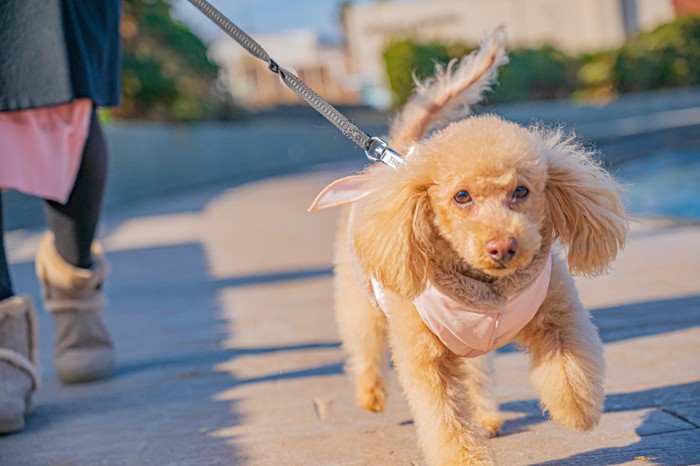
[221, 306]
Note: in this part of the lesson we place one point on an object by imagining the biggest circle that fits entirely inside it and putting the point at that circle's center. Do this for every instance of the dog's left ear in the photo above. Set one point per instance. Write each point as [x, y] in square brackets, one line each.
[392, 232]
[583, 205]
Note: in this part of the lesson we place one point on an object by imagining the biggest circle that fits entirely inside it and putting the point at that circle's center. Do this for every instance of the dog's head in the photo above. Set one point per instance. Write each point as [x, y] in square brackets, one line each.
[488, 191]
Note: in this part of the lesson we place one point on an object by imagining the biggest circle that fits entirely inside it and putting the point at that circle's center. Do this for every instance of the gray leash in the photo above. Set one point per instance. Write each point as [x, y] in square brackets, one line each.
[376, 148]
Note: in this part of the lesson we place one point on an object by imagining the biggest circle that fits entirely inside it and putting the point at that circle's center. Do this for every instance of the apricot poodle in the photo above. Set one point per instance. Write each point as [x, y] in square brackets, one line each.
[465, 247]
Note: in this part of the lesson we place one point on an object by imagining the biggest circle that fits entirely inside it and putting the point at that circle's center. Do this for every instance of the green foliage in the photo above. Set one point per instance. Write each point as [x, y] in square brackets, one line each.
[166, 74]
[668, 56]
[595, 75]
[534, 74]
[406, 59]
[543, 73]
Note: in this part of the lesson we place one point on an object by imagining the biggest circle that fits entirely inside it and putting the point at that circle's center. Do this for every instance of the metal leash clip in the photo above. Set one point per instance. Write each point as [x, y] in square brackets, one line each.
[379, 151]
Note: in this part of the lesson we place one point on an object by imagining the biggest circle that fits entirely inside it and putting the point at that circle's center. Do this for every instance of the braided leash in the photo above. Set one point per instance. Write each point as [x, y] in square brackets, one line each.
[375, 148]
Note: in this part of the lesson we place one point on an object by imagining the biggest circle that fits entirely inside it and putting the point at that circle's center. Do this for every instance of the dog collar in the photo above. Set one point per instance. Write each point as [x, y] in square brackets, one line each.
[473, 332]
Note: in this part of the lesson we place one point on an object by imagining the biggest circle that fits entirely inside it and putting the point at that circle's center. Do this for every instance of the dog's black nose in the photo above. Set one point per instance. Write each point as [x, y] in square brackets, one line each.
[502, 250]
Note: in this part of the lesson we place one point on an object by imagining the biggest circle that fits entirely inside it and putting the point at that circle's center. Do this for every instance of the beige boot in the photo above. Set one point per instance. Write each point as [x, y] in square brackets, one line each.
[19, 376]
[83, 348]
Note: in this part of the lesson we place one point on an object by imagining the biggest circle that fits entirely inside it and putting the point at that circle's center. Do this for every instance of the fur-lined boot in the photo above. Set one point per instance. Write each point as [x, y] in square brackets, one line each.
[83, 349]
[19, 376]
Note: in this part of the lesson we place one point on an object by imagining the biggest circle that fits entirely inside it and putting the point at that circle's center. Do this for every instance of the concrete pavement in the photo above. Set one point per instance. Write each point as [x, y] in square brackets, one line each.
[221, 306]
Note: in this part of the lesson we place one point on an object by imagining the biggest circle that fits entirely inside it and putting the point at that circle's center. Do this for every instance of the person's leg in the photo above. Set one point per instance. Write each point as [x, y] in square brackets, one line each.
[72, 270]
[18, 372]
[5, 280]
[74, 223]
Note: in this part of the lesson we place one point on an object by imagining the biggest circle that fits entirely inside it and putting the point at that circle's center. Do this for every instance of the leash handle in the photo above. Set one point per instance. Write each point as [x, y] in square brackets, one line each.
[375, 148]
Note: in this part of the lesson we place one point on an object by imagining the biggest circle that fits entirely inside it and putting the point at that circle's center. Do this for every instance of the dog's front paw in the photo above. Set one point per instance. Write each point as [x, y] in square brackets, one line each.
[581, 420]
[474, 456]
[571, 393]
[491, 425]
[371, 396]
[466, 446]
[581, 412]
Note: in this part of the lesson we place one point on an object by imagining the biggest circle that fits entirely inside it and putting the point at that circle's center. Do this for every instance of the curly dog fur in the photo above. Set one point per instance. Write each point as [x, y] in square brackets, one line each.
[413, 229]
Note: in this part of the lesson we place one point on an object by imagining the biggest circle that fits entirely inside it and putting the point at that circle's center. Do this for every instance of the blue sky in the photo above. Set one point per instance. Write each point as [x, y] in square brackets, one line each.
[267, 16]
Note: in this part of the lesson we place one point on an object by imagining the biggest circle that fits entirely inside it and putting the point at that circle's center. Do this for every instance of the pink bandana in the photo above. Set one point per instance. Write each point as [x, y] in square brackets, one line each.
[465, 331]
[472, 332]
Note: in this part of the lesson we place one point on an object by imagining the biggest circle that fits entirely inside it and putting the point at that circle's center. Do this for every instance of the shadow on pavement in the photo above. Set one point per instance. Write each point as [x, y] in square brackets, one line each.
[656, 397]
[642, 319]
[260, 279]
[647, 318]
[160, 406]
[667, 435]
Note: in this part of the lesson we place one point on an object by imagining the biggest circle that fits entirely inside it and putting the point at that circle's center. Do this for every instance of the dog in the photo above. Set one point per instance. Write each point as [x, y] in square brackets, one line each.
[466, 246]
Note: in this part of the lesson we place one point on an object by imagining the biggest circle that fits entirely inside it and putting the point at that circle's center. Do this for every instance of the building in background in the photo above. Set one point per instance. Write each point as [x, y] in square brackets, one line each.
[355, 72]
[323, 67]
[572, 25]
[687, 7]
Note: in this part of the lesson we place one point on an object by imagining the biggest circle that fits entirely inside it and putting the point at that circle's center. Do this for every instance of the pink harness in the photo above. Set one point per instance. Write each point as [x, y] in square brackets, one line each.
[472, 332]
[465, 331]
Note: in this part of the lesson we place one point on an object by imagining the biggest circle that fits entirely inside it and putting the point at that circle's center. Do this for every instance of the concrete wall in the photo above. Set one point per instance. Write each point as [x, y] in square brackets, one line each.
[152, 159]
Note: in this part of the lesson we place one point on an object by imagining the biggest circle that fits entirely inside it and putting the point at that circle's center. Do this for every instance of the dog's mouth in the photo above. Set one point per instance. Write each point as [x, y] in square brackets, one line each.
[499, 270]
[502, 268]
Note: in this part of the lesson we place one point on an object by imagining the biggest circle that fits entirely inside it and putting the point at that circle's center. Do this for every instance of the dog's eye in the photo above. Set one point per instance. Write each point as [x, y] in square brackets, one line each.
[463, 197]
[520, 193]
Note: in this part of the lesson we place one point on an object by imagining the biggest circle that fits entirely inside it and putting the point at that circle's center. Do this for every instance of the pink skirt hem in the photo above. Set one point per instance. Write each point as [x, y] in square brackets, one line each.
[40, 149]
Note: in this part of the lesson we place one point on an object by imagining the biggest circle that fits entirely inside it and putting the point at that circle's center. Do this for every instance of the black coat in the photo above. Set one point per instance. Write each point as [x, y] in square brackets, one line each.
[55, 51]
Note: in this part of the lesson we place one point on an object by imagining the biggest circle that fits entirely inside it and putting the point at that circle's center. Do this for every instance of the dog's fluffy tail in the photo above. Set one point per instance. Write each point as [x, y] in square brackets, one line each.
[451, 92]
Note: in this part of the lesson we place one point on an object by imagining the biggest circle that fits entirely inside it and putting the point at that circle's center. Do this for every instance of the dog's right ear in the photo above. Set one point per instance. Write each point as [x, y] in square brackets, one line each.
[584, 205]
[391, 233]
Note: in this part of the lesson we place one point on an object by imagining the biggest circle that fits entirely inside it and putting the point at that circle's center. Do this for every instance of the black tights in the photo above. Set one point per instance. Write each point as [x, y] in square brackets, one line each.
[73, 223]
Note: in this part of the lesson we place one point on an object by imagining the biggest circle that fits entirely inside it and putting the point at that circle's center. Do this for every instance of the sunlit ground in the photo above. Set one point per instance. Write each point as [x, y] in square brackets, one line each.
[222, 312]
